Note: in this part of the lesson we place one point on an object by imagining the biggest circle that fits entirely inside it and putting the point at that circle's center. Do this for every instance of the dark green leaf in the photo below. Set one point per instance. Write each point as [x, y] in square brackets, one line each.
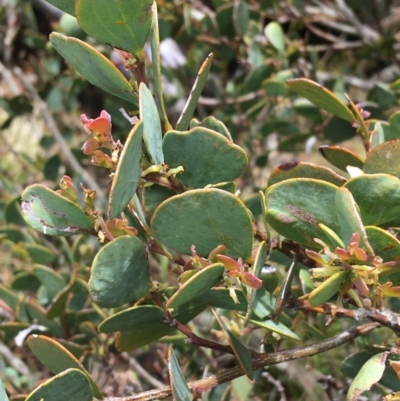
[127, 176]
[122, 24]
[94, 67]
[304, 170]
[151, 125]
[340, 157]
[377, 196]
[384, 159]
[120, 272]
[56, 358]
[321, 97]
[180, 222]
[297, 206]
[131, 317]
[206, 156]
[72, 384]
[52, 214]
[197, 284]
[179, 387]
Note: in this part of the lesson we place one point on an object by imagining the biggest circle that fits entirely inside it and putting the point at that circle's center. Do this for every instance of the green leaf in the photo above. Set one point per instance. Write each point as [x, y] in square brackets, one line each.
[264, 303]
[53, 281]
[206, 156]
[153, 196]
[67, 6]
[205, 218]
[122, 24]
[127, 176]
[151, 125]
[377, 196]
[40, 253]
[179, 387]
[94, 67]
[241, 17]
[131, 317]
[340, 157]
[220, 298]
[349, 218]
[58, 303]
[36, 312]
[304, 170]
[378, 134]
[213, 124]
[190, 106]
[383, 243]
[56, 358]
[274, 87]
[321, 97]
[276, 327]
[9, 297]
[52, 214]
[148, 332]
[11, 329]
[273, 31]
[369, 374]
[120, 272]
[394, 123]
[197, 284]
[242, 353]
[384, 159]
[327, 289]
[70, 385]
[258, 265]
[154, 40]
[297, 206]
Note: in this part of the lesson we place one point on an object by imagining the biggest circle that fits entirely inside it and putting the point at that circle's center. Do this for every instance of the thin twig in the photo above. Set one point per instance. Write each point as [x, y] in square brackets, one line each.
[266, 359]
[66, 154]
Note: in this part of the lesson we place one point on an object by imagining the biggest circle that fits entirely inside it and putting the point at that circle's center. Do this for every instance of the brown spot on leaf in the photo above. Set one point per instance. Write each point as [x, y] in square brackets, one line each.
[302, 215]
[288, 166]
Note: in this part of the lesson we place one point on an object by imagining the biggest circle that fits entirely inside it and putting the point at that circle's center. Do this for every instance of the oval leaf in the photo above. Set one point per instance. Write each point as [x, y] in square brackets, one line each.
[304, 170]
[296, 207]
[340, 157]
[384, 159]
[321, 97]
[127, 176]
[383, 243]
[151, 125]
[94, 67]
[52, 214]
[56, 358]
[327, 289]
[349, 218]
[197, 284]
[206, 156]
[122, 24]
[377, 196]
[369, 374]
[274, 32]
[120, 273]
[70, 385]
[131, 317]
[205, 218]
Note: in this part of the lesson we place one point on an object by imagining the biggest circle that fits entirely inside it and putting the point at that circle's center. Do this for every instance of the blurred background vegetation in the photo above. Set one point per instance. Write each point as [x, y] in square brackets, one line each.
[348, 46]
